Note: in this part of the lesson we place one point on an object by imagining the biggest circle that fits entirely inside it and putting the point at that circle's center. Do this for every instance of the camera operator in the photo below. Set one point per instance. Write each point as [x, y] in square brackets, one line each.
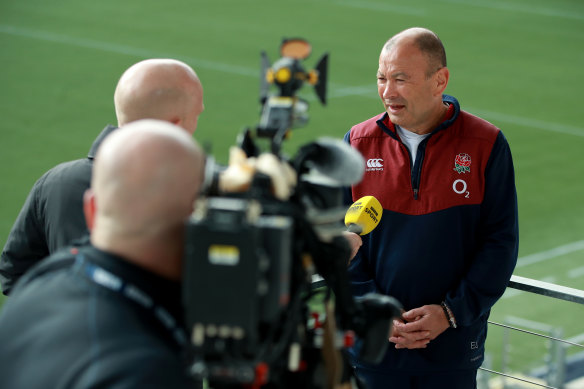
[107, 313]
[52, 215]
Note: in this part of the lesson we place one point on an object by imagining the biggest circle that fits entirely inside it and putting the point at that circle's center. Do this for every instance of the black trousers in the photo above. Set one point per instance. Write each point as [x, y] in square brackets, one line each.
[462, 379]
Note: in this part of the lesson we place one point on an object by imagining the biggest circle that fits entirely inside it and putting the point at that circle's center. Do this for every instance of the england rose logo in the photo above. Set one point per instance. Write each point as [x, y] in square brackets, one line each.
[462, 163]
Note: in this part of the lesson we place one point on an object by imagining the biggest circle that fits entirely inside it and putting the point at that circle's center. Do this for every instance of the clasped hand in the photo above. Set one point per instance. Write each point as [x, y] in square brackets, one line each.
[418, 327]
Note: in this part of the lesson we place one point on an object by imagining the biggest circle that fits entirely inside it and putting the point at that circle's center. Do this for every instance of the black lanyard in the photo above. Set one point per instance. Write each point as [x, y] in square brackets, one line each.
[106, 279]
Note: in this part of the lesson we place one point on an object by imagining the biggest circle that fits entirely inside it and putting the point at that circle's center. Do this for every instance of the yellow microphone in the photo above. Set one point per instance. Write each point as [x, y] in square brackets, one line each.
[364, 215]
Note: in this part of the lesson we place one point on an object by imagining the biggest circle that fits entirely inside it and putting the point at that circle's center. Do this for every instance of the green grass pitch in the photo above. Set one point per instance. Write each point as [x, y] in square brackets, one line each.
[517, 63]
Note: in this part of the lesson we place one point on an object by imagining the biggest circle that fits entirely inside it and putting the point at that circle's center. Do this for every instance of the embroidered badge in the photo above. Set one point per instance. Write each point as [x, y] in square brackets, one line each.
[374, 164]
[462, 163]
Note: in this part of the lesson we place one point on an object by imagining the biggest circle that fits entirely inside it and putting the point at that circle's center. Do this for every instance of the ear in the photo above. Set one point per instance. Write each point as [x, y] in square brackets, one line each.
[441, 80]
[89, 209]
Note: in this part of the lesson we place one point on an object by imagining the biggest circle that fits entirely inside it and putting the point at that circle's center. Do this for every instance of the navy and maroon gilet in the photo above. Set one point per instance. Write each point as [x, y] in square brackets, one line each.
[448, 231]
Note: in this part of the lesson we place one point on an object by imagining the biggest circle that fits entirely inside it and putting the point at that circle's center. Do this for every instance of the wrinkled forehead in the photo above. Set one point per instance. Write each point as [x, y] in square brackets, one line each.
[402, 55]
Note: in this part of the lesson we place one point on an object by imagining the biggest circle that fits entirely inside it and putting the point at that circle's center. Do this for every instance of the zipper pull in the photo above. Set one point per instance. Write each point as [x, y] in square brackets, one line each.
[415, 193]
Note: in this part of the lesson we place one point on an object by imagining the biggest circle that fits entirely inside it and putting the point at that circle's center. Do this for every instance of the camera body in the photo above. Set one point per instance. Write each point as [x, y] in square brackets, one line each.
[250, 257]
[238, 282]
[247, 283]
[244, 257]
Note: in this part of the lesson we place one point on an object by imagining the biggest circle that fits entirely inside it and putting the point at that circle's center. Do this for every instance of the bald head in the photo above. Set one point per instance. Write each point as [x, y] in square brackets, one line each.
[424, 40]
[163, 89]
[411, 79]
[145, 179]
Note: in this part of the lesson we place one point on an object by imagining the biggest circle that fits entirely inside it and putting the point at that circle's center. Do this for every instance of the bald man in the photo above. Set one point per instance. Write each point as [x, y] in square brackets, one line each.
[52, 216]
[162, 89]
[447, 243]
[107, 314]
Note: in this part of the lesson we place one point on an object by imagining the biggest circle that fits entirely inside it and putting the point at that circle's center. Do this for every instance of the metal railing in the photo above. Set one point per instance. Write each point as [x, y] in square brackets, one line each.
[531, 286]
[544, 289]
[547, 289]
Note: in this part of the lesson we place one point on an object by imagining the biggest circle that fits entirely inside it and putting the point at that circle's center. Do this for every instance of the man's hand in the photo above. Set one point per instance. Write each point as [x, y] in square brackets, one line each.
[355, 243]
[419, 327]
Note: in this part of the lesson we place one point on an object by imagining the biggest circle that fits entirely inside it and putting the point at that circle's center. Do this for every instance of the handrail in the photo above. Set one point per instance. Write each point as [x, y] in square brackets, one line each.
[532, 286]
[547, 289]
[536, 334]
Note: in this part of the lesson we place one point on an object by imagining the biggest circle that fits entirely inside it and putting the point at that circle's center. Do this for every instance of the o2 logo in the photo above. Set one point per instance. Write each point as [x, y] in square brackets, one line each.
[459, 187]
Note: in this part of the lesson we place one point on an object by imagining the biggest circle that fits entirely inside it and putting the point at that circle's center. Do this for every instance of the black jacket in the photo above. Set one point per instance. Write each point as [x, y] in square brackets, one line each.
[51, 218]
[84, 318]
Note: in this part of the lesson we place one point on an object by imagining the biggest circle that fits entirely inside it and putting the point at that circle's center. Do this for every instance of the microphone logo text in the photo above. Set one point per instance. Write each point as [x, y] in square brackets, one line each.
[372, 213]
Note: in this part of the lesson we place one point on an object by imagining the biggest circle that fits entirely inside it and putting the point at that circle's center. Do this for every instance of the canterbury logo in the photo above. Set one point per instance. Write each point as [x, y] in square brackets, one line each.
[374, 164]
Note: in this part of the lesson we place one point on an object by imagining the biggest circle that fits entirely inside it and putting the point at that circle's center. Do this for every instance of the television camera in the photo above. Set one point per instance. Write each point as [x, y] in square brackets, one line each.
[251, 254]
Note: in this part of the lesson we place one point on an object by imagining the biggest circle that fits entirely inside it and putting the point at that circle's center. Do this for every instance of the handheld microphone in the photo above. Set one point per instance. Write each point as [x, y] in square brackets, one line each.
[363, 215]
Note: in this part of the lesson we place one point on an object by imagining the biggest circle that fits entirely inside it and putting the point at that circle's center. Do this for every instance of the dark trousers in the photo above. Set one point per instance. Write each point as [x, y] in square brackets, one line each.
[464, 379]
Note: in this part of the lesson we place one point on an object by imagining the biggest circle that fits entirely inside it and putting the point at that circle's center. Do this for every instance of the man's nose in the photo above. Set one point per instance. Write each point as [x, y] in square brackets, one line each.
[389, 90]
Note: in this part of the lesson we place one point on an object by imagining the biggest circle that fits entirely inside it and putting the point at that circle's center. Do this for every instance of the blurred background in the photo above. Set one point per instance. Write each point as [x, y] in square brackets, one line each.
[516, 63]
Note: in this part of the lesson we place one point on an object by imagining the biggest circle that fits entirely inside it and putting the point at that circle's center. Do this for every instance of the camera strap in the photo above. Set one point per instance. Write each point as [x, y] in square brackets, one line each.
[113, 282]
